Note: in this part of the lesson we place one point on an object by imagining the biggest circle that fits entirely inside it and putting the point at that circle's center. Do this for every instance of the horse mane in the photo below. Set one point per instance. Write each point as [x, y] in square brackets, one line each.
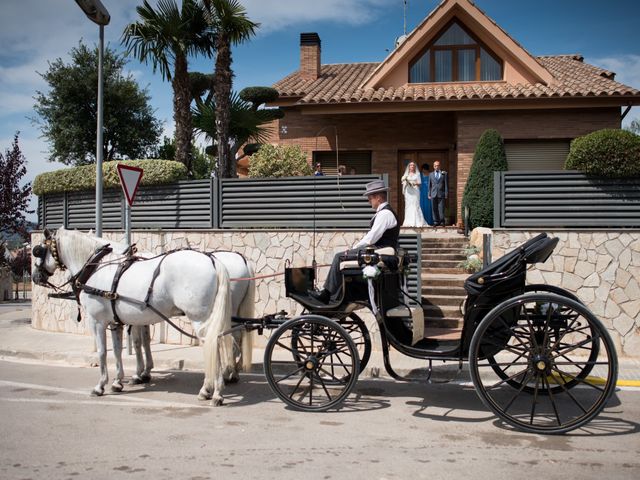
[80, 246]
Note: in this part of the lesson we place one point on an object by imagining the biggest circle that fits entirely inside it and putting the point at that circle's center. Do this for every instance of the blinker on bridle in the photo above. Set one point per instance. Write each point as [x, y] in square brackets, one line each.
[40, 251]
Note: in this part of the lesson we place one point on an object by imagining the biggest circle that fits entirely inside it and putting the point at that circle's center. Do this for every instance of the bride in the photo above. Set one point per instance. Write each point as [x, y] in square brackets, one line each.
[411, 189]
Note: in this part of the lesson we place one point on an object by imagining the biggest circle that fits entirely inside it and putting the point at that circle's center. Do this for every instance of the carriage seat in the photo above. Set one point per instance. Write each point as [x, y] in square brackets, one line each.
[348, 264]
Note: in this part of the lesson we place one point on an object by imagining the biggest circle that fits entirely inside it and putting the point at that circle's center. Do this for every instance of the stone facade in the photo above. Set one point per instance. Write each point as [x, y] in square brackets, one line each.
[601, 267]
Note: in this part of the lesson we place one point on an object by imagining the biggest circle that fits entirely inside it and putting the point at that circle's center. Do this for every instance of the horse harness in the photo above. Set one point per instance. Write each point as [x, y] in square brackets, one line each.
[79, 281]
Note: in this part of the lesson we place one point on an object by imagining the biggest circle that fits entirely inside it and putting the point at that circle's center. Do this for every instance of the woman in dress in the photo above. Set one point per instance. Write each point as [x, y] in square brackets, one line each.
[425, 203]
[411, 182]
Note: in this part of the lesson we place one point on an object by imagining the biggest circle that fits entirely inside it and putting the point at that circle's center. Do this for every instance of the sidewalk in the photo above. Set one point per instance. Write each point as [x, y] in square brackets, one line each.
[18, 341]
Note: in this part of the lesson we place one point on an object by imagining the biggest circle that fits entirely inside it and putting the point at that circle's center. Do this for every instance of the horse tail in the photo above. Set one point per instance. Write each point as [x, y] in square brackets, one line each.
[247, 310]
[219, 352]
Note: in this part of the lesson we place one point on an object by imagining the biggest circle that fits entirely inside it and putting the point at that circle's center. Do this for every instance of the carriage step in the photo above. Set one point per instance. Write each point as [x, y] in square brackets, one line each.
[440, 300]
[435, 333]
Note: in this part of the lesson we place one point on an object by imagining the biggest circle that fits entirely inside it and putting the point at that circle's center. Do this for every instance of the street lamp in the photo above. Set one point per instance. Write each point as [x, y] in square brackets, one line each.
[98, 14]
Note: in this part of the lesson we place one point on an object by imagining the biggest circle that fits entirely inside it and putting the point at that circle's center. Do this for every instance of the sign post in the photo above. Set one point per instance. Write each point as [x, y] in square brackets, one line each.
[129, 180]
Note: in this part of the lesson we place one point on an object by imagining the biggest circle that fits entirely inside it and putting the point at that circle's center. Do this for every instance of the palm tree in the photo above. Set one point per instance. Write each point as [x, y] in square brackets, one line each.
[165, 37]
[228, 20]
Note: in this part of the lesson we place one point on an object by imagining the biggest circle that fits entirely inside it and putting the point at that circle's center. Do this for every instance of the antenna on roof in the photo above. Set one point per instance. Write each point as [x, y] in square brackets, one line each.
[403, 37]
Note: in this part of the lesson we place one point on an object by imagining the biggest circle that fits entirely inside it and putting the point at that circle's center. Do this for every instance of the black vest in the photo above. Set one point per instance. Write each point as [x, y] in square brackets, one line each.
[389, 237]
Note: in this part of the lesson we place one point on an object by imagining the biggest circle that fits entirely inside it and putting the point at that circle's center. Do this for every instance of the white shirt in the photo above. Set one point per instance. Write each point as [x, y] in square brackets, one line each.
[383, 221]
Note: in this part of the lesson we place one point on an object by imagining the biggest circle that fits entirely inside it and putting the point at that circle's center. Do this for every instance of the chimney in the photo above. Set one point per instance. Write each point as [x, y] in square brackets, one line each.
[309, 56]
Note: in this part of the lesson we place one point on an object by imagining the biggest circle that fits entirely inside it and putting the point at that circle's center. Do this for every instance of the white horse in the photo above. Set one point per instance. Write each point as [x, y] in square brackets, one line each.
[187, 282]
[242, 305]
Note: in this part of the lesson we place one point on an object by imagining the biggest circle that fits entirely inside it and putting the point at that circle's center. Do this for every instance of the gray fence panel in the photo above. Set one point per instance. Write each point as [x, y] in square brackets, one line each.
[564, 199]
[412, 243]
[295, 202]
[81, 208]
[180, 205]
[53, 210]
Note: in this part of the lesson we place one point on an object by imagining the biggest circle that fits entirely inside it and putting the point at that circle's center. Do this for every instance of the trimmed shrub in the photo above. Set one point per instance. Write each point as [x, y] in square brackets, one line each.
[279, 161]
[606, 153]
[489, 157]
[156, 172]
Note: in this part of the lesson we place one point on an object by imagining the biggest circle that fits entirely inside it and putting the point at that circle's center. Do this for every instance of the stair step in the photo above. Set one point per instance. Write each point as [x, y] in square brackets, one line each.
[435, 280]
[444, 243]
[458, 290]
[440, 264]
[434, 333]
[437, 270]
[443, 322]
[443, 256]
[442, 300]
[441, 311]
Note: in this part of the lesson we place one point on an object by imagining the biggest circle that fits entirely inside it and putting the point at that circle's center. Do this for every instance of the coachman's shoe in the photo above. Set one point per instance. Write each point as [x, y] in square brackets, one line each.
[322, 296]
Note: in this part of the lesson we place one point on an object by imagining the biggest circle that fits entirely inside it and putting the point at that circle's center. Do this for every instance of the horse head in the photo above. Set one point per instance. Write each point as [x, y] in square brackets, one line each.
[47, 259]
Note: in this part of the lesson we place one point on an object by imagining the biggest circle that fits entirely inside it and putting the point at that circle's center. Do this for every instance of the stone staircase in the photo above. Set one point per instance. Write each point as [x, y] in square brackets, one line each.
[442, 284]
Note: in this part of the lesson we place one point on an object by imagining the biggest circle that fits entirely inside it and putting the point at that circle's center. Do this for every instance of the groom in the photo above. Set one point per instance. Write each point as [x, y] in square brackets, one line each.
[438, 193]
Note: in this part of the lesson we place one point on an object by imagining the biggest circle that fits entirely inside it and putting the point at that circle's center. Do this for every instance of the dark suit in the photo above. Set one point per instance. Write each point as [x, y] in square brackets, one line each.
[438, 191]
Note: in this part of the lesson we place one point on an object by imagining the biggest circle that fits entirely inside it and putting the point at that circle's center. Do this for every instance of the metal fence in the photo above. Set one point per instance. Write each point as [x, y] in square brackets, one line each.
[564, 199]
[292, 202]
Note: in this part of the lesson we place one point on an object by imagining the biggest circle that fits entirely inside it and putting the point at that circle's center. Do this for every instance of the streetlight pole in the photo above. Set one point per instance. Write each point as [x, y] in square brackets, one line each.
[97, 13]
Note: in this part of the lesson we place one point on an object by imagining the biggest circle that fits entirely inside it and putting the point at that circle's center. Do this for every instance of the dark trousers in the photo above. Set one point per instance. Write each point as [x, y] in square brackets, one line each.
[333, 283]
[437, 206]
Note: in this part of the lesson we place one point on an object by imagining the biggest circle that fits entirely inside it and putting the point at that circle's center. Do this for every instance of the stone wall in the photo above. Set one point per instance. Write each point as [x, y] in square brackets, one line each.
[601, 267]
[268, 251]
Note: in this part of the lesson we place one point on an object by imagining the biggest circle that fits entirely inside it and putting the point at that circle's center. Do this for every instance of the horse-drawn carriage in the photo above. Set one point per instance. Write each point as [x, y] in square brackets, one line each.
[531, 349]
[538, 358]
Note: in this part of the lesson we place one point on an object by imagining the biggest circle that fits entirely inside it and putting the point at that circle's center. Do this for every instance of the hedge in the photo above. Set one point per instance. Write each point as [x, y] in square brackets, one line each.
[606, 153]
[156, 172]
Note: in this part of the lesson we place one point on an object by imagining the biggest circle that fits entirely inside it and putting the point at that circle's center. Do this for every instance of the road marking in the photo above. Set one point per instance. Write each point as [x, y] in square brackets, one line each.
[113, 399]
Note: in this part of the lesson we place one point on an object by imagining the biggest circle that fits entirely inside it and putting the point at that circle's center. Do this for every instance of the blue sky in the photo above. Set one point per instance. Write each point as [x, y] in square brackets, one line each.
[33, 32]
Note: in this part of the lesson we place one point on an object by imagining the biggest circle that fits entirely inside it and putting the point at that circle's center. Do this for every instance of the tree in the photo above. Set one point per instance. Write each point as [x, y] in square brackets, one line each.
[247, 120]
[14, 199]
[168, 36]
[606, 153]
[67, 113]
[489, 157]
[229, 21]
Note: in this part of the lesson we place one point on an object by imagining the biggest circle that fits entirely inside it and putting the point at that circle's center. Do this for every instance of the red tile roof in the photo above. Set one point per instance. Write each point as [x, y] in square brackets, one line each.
[340, 83]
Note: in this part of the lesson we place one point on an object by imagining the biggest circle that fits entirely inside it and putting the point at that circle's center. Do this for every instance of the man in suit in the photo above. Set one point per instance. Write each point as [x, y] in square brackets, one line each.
[438, 193]
[384, 230]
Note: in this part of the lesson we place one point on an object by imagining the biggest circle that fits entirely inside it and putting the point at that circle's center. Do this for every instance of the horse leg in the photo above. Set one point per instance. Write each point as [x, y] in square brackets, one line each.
[146, 344]
[136, 338]
[100, 335]
[232, 374]
[116, 338]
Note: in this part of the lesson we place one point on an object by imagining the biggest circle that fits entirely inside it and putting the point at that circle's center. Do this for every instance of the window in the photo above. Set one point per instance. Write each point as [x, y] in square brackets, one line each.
[355, 162]
[455, 56]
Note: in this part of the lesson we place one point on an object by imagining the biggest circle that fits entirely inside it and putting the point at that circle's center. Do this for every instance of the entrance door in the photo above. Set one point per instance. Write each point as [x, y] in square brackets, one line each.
[420, 157]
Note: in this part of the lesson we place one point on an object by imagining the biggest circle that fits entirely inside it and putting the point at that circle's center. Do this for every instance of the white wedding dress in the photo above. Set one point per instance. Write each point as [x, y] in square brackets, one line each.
[412, 213]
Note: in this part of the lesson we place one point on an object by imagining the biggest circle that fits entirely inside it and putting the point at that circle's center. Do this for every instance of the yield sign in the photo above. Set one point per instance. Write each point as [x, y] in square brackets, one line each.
[129, 179]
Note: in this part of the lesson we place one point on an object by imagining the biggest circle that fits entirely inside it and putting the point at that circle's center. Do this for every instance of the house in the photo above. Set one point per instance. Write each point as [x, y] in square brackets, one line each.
[456, 75]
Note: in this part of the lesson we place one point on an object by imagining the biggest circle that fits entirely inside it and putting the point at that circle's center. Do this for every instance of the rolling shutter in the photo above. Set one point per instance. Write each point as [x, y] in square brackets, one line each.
[361, 161]
[535, 156]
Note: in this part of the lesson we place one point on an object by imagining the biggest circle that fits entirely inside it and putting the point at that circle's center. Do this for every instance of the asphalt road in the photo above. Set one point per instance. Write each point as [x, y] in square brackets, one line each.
[52, 429]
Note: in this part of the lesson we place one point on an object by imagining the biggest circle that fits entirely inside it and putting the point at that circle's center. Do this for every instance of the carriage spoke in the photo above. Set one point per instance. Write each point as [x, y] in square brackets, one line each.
[502, 382]
[553, 402]
[575, 400]
[576, 346]
[290, 374]
[504, 364]
[524, 384]
[535, 400]
[577, 379]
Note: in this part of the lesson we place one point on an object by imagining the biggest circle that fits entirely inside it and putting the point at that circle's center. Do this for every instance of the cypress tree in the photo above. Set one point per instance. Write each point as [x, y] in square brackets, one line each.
[489, 157]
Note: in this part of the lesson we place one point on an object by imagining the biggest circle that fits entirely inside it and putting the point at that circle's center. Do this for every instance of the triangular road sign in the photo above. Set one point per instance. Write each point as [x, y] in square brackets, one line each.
[129, 179]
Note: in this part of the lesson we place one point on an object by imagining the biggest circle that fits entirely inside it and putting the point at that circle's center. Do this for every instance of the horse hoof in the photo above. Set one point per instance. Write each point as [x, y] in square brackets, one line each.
[135, 380]
[216, 402]
[97, 393]
[116, 387]
[204, 395]
[235, 378]
[145, 378]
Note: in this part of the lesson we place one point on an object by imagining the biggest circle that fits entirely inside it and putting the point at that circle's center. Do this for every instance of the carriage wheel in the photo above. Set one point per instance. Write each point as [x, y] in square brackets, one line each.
[359, 333]
[544, 345]
[502, 372]
[311, 363]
